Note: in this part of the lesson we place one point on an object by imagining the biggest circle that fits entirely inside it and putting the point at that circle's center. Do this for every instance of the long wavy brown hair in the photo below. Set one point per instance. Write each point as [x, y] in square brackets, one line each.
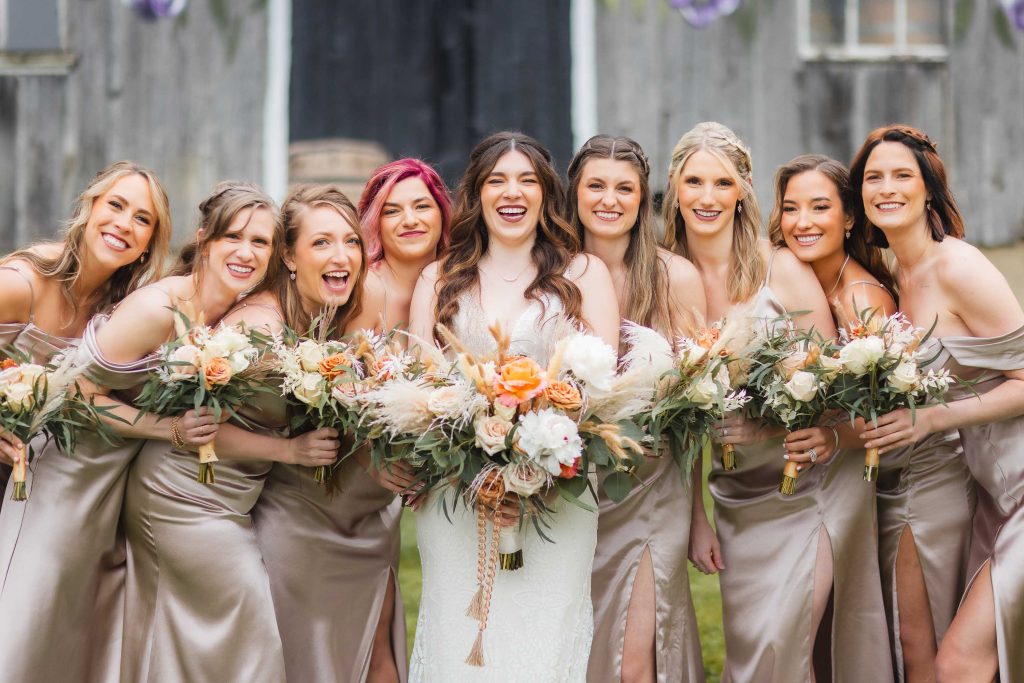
[747, 268]
[66, 266]
[944, 217]
[646, 287]
[301, 199]
[857, 244]
[553, 249]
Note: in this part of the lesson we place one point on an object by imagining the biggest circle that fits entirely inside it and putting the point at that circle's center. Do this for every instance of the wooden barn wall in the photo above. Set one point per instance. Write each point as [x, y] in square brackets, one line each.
[657, 77]
[430, 78]
[183, 96]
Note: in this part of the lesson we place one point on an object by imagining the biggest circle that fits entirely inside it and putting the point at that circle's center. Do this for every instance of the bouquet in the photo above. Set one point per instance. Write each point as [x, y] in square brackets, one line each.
[790, 377]
[34, 398]
[880, 372]
[692, 390]
[219, 368]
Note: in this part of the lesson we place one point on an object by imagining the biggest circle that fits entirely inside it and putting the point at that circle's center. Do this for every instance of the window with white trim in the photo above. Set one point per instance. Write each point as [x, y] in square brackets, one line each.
[874, 29]
[32, 37]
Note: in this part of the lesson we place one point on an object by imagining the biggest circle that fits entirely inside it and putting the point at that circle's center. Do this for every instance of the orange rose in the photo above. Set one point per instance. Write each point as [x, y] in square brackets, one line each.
[8, 364]
[382, 368]
[520, 377]
[217, 371]
[568, 472]
[707, 337]
[563, 396]
[332, 366]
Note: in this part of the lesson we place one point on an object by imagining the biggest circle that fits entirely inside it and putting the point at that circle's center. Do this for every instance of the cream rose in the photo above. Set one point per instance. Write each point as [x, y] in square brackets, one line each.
[311, 389]
[905, 377]
[310, 354]
[239, 361]
[490, 433]
[345, 393]
[525, 479]
[691, 355]
[19, 396]
[860, 354]
[703, 392]
[185, 354]
[231, 340]
[802, 386]
[446, 401]
[505, 412]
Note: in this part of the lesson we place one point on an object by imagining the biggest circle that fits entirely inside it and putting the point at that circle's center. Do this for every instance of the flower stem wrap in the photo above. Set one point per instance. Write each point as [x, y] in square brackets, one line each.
[19, 491]
[871, 464]
[207, 456]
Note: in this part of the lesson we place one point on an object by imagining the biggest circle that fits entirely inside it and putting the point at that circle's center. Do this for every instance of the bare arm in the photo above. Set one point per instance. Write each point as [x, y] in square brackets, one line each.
[798, 289]
[600, 310]
[424, 300]
[687, 301]
[372, 314]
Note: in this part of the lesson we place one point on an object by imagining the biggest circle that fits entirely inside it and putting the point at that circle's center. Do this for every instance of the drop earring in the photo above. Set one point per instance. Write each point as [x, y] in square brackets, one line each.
[292, 276]
[142, 259]
[847, 234]
[739, 207]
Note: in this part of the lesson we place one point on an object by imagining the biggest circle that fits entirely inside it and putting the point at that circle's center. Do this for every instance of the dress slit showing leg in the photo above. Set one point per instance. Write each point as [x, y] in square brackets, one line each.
[922, 577]
[816, 629]
[394, 633]
[631, 584]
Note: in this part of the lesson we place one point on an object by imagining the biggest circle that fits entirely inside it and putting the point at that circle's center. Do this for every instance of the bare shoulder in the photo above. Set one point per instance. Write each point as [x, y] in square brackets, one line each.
[977, 290]
[261, 312]
[586, 268]
[429, 274]
[866, 297]
[373, 300]
[680, 270]
[19, 284]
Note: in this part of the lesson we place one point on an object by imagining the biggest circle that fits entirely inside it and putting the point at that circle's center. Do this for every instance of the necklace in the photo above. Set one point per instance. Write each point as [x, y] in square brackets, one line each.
[840, 277]
[510, 279]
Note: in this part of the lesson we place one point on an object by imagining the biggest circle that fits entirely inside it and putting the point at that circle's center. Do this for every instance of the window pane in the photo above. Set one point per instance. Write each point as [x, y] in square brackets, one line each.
[926, 23]
[877, 18]
[828, 22]
[33, 26]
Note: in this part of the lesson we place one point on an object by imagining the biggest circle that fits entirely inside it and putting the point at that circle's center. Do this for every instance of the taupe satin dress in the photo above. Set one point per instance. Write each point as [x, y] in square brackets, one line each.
[995, 455]
[769, 546]
[655, 517]
[63, 554]
[330, 558]
[198, 605]
[927, 488]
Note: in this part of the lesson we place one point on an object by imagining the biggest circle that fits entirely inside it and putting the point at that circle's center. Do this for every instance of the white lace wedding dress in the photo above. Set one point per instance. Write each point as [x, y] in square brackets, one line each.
[541, 619]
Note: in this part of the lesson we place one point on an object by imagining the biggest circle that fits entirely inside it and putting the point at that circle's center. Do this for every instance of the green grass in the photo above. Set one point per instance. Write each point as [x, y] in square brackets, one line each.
[706, 597]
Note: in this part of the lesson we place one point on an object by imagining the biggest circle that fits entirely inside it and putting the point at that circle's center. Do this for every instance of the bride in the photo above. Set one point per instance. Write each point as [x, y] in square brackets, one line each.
[510, 262]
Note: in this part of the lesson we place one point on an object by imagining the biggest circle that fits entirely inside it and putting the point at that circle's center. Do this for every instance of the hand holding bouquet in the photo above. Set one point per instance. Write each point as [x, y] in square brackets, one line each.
[218, 368]
[880, 361]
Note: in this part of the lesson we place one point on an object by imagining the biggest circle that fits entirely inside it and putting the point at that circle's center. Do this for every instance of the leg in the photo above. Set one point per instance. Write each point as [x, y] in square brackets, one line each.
[917, 631]
[968, 651]
[382, 655]
[638, 658]
[823, 579]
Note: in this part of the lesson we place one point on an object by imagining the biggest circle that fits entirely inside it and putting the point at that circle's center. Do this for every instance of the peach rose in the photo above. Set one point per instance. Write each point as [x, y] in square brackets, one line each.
[563, 396]
[8, 364]
[217, 371]
[708, 337]
[520, 377]
[334, 365]
[492, 489]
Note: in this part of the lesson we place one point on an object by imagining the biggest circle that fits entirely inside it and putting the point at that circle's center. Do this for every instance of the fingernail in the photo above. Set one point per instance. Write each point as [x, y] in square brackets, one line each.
[786, 456]
[799, 468]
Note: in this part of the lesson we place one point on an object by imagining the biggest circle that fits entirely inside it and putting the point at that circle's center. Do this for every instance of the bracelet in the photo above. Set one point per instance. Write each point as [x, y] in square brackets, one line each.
[176, 440]
[835, 434]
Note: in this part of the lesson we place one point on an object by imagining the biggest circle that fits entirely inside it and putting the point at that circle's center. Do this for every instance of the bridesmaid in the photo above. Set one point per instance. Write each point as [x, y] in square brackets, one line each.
[813, 218]
[776, 557]
[978, 336]
[342, 621]
[643, 611]
[62, 562]
[198, 605]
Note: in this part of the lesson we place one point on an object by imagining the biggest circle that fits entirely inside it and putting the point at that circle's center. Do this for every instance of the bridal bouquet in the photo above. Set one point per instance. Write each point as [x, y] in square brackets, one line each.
[880, 361]
[219, 368]
[691, 390]
[790, 377]
[33, 398]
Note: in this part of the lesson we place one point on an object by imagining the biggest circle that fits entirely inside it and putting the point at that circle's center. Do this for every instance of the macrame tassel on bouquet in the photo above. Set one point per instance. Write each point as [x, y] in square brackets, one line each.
[728, 456]
[207, 456]
[19, 491]
[871, 464]
[486, 568]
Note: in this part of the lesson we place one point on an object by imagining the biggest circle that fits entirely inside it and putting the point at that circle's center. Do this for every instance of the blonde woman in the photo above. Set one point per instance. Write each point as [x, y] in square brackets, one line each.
[643, 612]
[773, 552]
[62, 559]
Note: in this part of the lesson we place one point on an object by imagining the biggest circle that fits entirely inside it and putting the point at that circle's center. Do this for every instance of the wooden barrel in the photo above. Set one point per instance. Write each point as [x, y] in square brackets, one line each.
[343, 161]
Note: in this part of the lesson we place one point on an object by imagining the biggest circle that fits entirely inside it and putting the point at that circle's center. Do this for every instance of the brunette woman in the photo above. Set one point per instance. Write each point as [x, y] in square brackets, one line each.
[978, 336]
[643, 611]
[338, 609]
[775, 557]
[198, 602]
[511, 262]
[62, 560]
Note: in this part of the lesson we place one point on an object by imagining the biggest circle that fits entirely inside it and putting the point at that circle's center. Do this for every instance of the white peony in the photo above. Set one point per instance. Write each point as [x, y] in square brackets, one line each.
[311, 389]
[802, 386]
[861, 354]
[491, 432]
[905, 377]
[550, 438]
[591, 361]
[310, 354]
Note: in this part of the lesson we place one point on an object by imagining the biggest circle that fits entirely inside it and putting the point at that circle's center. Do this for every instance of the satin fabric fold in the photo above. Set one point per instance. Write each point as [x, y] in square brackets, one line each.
[995, 456]
[655, 517]
[329, 559]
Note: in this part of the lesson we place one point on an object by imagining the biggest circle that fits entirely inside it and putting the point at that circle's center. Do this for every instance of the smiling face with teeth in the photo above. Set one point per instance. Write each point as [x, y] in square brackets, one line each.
[813, 219]
[410, 222]
[893, 189]
[120, 224]
[240, 256]
[327, 257]
[708, 194]
[511, 199]
[608, 197]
